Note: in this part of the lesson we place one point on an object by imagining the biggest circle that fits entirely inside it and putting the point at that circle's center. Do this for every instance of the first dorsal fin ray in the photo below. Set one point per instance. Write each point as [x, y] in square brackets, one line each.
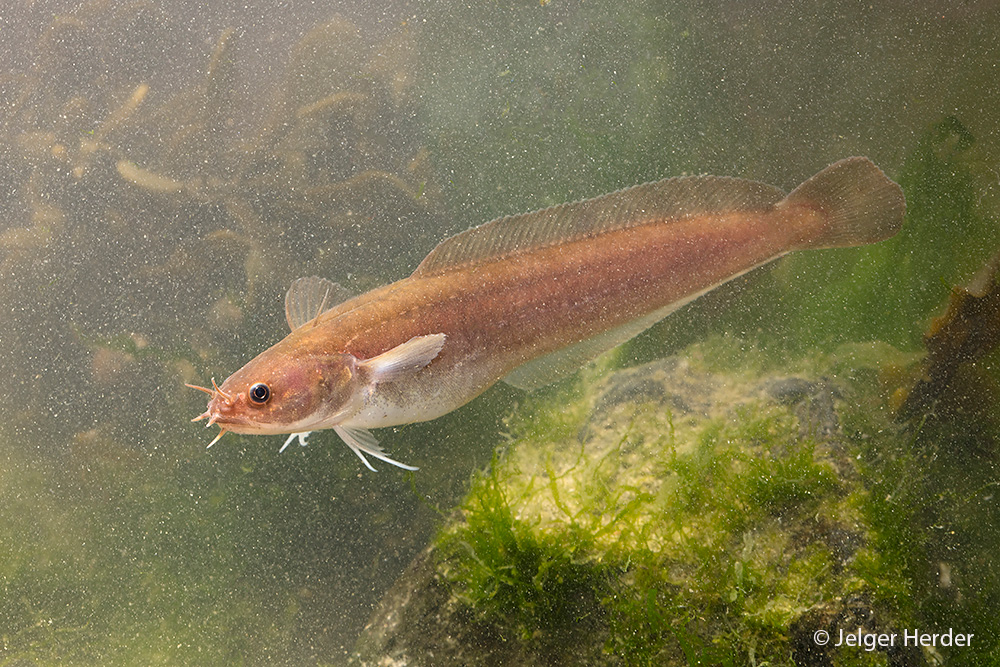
[308, 298]
[660, 201]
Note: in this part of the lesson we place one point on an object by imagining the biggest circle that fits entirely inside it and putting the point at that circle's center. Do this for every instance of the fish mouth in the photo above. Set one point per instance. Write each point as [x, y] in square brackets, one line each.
[220, 412]
[219, 401]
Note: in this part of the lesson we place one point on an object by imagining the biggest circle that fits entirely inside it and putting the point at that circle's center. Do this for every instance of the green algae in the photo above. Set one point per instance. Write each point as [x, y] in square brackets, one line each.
[719, 525]
[529, 579]
[932, 504]
[702, 538]
[63, 555]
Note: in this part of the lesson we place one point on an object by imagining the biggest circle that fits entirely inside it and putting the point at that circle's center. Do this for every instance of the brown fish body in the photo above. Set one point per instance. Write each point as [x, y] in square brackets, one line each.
[500, 314]
[529, 297]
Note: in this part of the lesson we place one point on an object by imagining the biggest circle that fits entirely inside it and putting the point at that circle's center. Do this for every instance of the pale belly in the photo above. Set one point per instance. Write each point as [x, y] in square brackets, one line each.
[429, 394]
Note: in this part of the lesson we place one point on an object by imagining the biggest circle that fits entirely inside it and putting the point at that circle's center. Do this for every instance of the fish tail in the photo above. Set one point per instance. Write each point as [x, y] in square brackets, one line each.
[858, 204]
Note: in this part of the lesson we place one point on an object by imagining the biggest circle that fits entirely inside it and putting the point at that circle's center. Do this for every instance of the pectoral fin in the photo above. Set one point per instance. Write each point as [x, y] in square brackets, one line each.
[403, 359]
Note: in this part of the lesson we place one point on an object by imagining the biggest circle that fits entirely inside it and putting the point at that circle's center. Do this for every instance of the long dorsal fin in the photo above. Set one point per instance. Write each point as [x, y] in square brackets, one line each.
[661, 201]
[310, 297]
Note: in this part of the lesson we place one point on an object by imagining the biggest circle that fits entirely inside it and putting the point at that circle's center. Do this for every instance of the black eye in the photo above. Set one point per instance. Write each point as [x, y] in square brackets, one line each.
[259, 393]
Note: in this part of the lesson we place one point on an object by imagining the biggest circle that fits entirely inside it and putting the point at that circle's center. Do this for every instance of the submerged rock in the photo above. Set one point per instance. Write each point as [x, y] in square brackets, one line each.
[665, 514]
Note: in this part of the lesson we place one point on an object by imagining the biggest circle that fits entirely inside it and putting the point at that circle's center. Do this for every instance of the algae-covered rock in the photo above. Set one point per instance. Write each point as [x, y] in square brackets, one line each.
[663, 514]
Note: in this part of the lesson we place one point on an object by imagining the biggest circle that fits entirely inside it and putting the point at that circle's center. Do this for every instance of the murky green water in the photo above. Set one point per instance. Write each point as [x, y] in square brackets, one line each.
[167, 170]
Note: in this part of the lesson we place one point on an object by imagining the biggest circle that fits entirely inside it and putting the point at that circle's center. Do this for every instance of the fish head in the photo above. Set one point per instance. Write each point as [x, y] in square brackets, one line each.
[275, 394]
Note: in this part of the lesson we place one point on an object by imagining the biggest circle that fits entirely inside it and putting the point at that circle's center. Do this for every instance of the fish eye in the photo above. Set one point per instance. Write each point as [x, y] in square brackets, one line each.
[259, 393]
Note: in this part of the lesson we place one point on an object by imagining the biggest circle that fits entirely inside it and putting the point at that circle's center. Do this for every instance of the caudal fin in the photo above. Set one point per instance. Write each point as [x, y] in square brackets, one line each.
[860, 204]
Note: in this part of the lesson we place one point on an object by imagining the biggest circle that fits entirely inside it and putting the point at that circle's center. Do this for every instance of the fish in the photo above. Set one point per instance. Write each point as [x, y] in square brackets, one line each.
[530, 298]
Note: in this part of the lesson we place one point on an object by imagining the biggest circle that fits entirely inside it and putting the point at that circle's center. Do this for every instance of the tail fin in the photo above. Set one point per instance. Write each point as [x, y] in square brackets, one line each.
[860, 204]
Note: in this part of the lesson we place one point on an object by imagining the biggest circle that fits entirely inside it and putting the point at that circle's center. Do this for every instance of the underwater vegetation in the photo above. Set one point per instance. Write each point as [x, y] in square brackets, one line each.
[967, 333]
[682, 513]
[701, 521]
[151, 219]
[722, 505]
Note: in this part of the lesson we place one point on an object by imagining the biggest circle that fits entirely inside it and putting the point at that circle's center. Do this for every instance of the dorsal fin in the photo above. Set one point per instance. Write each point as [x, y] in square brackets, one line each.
[310, 297]
[660, 201]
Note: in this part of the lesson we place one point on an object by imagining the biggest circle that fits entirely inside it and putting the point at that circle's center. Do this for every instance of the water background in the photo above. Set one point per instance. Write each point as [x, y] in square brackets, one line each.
[147, 238]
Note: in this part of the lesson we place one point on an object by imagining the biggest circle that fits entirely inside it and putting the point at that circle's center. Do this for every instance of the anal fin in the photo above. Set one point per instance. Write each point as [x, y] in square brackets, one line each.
[562, 363]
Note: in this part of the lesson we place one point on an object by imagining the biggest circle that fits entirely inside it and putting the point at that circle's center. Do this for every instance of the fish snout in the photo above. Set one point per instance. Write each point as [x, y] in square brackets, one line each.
[222, 409]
